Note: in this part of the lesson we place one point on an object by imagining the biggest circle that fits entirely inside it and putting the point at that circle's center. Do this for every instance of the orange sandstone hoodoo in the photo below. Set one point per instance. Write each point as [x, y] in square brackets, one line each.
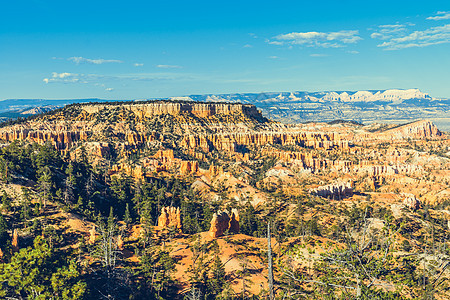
[223, 221]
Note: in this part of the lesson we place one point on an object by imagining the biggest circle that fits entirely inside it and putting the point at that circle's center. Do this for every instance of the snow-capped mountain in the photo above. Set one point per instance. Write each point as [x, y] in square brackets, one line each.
[362, 106]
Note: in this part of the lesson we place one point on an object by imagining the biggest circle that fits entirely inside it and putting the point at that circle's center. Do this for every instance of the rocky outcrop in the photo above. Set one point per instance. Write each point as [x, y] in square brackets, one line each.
[412, 202]
[15, 241]
[337, 191]
[423, 129]
[170, 218]
[234, 221]
[230, 142]
[119, 242]
[135, 172]
[92, 235]
[62, 140]
[202, 110]
[188, 167]
[216, 170]
[223, 221]
[406, 169]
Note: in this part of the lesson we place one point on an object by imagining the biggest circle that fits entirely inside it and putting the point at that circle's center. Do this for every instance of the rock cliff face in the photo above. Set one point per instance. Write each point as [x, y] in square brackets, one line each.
[417, 130]
[15, 241]
[62, 140]
[337, 191]
[223, 221]
[231, 141]
[188, 167]
[388, 170]
[202, 110]
[170, 218]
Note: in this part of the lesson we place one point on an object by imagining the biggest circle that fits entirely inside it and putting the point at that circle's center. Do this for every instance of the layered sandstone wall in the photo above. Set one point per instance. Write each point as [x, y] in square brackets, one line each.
[62, 140]
[231, 141]
[339, 190]
[202, 110]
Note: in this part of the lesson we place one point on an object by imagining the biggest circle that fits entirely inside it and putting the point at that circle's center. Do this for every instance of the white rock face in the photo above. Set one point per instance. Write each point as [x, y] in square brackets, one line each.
[393, 95]
[367, 96]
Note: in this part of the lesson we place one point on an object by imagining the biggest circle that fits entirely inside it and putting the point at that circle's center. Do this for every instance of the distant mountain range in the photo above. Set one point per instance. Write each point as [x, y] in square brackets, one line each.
[388, 106]
[392, 106]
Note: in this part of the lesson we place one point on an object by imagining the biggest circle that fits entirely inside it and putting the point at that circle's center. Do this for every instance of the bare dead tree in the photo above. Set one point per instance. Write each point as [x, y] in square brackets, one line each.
[270, 262]
[356, 267]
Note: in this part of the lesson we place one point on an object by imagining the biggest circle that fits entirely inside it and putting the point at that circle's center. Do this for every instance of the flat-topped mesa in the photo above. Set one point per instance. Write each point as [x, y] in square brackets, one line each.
[202, 110]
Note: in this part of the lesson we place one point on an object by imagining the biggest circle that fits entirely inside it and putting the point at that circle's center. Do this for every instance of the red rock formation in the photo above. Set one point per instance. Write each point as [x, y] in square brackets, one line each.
[338, 191]
[170, 217]
[61, 140]
[164, 154]
[223, 221]
[234, 221]
[202, 110]
[92, 235]
[188, 167]
[215, 170]
[15, 241]
[120, 242]
[417, 130]
[231, 141]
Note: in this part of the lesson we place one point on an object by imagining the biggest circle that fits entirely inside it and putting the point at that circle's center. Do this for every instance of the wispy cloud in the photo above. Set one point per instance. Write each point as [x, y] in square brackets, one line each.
[99, 79]
[318, 39]
[432, 36]
[138, 64]
[318, 55]
[440, 15]
[273, 57]
[109, 89]
[99, 61]
[247, 46]
[63, 77]
[169, 66]
[386, 32]
[353, 52]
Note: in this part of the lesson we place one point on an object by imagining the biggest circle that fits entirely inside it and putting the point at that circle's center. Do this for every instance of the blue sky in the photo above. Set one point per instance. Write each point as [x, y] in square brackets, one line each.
[148, 49]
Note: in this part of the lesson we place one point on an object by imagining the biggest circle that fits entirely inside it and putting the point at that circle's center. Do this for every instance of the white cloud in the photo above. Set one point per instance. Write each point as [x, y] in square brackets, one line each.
[318, 39]
[138, 64]
[318, 55]
[62, 77]
[100, 80]
[80, 60]
[169, 66]
[109, 89]
[353, 52]
[432, 36]
[385, 32]
[274, 57]
[440, 15]
[248, 46]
